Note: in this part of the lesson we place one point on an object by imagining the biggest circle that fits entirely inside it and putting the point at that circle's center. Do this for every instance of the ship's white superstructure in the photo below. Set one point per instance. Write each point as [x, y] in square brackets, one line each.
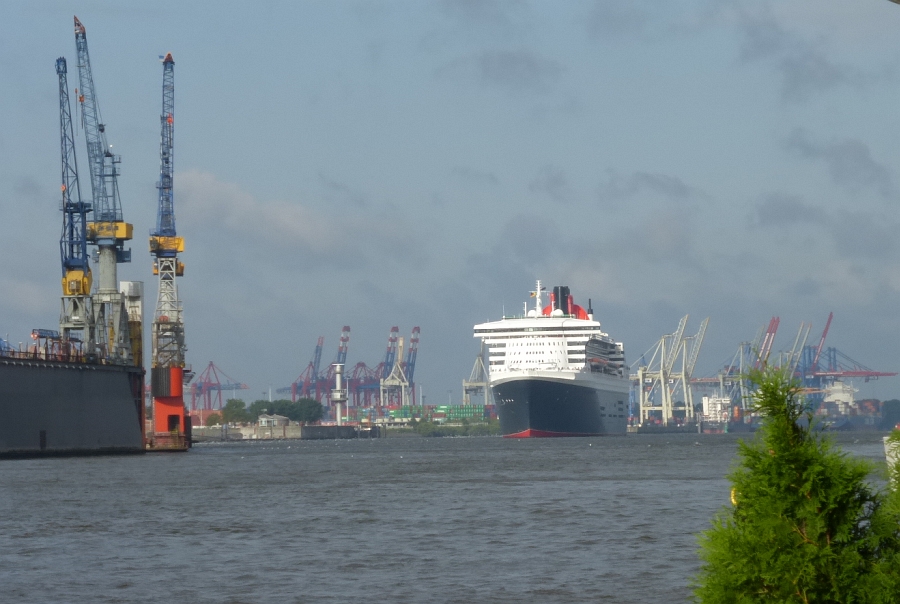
[555, 342]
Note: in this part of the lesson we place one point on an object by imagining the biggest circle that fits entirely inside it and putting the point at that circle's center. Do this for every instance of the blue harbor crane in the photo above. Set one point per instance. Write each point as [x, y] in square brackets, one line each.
[76, 316]
[326, 379]
[168, 370]
[108, 230]
[390, 356]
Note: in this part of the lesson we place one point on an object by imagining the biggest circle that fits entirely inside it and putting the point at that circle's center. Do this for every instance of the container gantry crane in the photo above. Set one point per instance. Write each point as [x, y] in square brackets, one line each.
[108, 231]
[76, 322]
[169, 372]
[655, 379]
[314, 383]
[307, 381]
[206, 391]
[820, 367]
[394, 388]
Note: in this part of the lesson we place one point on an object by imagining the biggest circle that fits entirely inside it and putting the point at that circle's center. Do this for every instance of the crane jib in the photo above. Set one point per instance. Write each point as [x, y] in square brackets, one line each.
[103, 164]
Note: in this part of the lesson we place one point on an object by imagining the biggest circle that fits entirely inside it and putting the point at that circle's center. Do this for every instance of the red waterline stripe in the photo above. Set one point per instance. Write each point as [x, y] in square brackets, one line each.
[532, 433]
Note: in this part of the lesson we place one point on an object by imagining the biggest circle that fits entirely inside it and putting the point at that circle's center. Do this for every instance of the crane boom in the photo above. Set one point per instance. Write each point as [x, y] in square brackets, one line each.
[108, 223]
[165, 216]
[695, 348]
[676, 340]
[815, 363]
[767, 343]
[343, 345]
[390, 356]
[793, 357]
[317, 358]
[411, 354]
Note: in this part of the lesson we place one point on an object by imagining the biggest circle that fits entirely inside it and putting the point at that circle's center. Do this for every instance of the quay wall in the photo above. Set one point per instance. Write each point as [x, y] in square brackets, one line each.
[290, 432]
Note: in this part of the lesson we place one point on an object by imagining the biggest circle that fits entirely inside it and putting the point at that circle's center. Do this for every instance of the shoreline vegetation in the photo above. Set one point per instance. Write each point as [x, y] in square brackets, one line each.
[805, 523]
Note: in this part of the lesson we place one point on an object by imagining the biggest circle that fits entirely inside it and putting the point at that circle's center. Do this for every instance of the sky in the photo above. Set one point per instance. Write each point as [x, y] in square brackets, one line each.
[417, 163]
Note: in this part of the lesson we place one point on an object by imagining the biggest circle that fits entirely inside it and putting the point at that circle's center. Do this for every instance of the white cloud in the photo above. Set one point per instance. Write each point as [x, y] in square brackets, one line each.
[520, 71]
[222, 211]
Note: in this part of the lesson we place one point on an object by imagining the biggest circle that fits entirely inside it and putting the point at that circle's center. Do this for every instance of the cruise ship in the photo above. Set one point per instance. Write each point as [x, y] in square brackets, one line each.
[554, 372]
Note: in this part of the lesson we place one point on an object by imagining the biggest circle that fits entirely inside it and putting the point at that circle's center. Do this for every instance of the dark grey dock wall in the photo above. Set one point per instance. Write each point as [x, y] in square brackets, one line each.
[59, 408]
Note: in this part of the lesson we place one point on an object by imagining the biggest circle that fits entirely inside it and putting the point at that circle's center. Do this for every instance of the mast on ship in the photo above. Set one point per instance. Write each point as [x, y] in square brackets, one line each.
[536, 294]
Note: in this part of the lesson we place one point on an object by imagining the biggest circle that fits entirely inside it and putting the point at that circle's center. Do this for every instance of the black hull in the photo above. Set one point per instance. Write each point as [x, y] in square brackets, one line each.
[54, 408]
[544, 408]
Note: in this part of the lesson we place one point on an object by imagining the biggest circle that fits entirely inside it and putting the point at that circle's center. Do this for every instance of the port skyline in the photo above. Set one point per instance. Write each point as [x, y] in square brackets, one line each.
[421, 165]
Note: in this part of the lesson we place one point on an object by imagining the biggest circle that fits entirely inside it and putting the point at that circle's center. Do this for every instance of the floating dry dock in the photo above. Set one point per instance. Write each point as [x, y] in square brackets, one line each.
[68, 407]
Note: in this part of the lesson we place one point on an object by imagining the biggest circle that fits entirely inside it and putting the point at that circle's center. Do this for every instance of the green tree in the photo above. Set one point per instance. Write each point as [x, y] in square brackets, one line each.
[310, 410]
[234, 412]
[257, 408]
[213, 419]
[303, 410]
[805, 525]
[288, 409]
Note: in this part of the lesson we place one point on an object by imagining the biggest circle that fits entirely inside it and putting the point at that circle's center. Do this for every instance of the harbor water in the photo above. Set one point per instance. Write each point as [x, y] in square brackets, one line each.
[611, 519]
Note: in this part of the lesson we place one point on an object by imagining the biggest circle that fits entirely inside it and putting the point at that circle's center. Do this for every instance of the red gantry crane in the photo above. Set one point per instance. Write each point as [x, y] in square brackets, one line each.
[206, 391]
[306, 383]
[821, 367]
